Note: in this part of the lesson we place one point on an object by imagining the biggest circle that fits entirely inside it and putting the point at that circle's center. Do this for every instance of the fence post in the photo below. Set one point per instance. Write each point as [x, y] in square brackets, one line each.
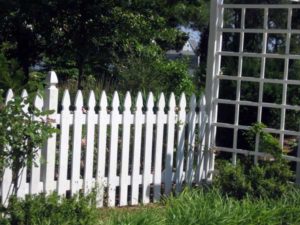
[211, 89]
[48, 155]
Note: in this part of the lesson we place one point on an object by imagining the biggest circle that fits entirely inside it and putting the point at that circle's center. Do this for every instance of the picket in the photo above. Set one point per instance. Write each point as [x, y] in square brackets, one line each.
[170, 145]
[147, 166]
[113, 150]
[191, 140]
[64, 144]
[51, 103]
[22, 176]
[7, 186]
[138, 120]
[201, 158]
[35, 184]
[125, 151]
[160, 116]
[148, 150]
[89, 151]
[179, 178]
[101, 158]
[76, 144]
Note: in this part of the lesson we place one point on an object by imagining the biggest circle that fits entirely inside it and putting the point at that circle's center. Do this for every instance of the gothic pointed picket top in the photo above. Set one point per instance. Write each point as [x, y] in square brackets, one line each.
[127, 102]
[161, 102]
[38, 102]
[139, 101]
[24, 94]
[79, 100]
[116, 101]
[202, 102]
[66, 100]
[150, 101]
[9, 96]
[103, 101]
[193, 103]
[51, 78]
[172, 102]
[182, 102]
[92, 100]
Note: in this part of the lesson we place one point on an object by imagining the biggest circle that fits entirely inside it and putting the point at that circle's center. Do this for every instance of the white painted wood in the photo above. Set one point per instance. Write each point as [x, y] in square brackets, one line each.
[171, 121]
[89, 151]
[101, 158]
[191, 141]
[201, 166]
[76, 144]
[137, 149]
[7, 185]
[22, 184]
[148, 150]
[113, 151]
[158, 148]
[51, 101]
[125, 151]
[34, 185]
[64, 144]
[179, 177]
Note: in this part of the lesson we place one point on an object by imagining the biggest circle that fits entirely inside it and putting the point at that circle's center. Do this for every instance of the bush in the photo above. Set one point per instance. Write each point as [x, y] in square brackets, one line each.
[51, 210]
[270, 177]
[21, 135]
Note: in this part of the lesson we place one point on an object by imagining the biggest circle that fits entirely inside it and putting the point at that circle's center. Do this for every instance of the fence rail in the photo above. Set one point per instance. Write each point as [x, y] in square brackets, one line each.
[131, 156]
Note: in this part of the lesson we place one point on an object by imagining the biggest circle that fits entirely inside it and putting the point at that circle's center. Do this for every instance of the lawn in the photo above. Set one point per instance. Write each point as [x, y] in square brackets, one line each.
[209, 207]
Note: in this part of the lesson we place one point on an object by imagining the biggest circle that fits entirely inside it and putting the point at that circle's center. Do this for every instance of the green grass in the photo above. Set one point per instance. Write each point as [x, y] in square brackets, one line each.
[209, 207]
[196, 206]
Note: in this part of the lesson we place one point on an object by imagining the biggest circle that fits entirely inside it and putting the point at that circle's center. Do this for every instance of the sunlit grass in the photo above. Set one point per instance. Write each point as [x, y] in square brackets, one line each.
[209, 207]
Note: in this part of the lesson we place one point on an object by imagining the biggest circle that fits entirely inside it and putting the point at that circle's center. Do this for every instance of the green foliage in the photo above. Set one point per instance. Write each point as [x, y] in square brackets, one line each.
[201, 206]
[270, 177]
[10, 73]
[51, 210]
[151, 71]
[23, 134]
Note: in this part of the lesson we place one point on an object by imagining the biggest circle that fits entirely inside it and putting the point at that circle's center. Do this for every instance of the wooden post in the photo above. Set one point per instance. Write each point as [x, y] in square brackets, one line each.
[48, 155]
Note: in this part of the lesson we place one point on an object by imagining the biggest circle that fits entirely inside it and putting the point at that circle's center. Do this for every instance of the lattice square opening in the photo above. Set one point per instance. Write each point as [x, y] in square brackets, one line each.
[255, 18]
[248, 115]
[253, 42]
[231, 42]
[271, 117]
[277, 18]
[226, 113]
[232, 18]
[292, 120]
[295, 44]
[249, 91]
[251, 67]
[224, 137]
[296, 19]
[226, 89]
[229, 65]
[290, 145]
[293, 95]
[276, 43]
[294, 68]
[272, 93]
[242, 140]
[274, 68]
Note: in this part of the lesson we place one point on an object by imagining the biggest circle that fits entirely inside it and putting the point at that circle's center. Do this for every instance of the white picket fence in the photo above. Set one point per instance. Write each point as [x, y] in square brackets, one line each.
[131, 157]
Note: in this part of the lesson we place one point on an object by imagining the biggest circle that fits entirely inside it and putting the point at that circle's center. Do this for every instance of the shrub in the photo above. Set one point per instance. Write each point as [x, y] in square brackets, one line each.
[270, 177]
[51, 210]
[21, 135]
